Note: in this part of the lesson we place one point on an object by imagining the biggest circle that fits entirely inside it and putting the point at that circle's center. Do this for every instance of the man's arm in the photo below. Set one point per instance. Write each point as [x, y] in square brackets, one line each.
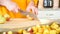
[11, 6]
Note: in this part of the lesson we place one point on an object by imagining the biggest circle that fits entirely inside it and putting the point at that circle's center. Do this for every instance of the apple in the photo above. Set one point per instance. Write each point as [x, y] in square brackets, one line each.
[40, 30]
[2, 20]
[15, 33]
[53, 32]
[38, 33]
[30, 30]
[58, 30]
[46, 31]
[25, 32]
[10, 32]
[1, 16]
[20, 31]
[48, 27]
[30, 18]
[55, 25]
[43, 27]
[7, 17]
[34, 29]
[38, 26]
[4, 32]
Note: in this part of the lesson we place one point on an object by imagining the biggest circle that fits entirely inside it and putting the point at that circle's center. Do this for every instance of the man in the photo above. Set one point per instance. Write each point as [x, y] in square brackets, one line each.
[14, 5]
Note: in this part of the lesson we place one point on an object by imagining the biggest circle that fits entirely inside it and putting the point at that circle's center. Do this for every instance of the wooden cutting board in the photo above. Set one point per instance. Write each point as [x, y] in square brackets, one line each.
[18, 23]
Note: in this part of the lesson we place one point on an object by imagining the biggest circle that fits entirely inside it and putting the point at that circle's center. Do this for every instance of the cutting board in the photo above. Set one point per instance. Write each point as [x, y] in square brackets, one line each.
[18, 23]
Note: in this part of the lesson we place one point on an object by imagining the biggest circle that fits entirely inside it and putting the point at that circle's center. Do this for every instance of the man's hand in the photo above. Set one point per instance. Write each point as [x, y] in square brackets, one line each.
[11, 6]
[32, 7]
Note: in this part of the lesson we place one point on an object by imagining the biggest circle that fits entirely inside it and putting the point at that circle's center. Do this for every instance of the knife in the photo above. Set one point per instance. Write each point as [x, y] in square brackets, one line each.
[28, 13]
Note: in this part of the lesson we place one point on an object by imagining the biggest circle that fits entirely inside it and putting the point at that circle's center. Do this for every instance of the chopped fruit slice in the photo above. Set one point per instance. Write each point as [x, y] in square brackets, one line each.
[58, 30]
[34, 29]
[30, 30]
[10, 32]
[30, 18]
[46, 31]
[20, 31]
[38, 26]
[40, 30]
[7, 17]
[2, 20]
[38, 33]
[4, 32]
[48, 27]
[43, 27]
[1, 16]
[55, 25]
[53, 32]
[31, 33]
[25, 32]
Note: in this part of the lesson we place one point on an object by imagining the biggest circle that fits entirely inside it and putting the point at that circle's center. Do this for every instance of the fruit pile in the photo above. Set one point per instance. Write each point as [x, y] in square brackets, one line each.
[54, 28]
[4, 18]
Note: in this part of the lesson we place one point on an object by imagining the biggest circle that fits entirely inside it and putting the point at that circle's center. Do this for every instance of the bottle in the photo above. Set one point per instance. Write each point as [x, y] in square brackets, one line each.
[59, 3]
[45, 3]
[48, 3]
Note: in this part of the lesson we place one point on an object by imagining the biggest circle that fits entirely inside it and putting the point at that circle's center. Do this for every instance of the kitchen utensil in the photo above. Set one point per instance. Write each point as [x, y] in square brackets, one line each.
[28, 13]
